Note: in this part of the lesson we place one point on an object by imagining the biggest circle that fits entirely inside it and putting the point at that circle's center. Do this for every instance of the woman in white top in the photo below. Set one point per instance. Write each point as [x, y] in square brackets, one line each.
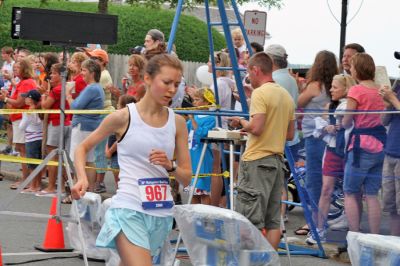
[149, 137]
[226, 86]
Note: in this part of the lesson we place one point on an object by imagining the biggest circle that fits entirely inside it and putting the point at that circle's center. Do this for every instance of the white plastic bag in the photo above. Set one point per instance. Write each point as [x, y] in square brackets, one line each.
[371, 249]
[88, 212]
[216, 236]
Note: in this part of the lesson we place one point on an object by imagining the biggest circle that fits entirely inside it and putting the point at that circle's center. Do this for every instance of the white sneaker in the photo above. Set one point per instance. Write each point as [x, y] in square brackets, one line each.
[339, 223]
[312, 240]
[14, 153]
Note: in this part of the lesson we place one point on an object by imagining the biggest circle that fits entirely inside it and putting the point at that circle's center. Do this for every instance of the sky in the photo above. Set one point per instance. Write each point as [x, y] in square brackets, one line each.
[305, 27]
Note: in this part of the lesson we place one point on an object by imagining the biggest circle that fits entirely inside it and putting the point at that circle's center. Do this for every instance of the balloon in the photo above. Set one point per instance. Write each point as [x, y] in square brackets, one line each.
[203, 75]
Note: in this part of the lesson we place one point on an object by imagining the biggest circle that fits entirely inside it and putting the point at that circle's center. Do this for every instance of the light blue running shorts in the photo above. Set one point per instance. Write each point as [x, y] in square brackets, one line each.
[141, 229]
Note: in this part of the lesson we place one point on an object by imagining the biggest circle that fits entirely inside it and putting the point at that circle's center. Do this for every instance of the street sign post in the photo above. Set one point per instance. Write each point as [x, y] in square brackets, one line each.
[255, 23]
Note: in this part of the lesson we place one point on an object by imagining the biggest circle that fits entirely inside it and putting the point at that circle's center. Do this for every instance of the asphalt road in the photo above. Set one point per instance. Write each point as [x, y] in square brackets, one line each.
[20, 234]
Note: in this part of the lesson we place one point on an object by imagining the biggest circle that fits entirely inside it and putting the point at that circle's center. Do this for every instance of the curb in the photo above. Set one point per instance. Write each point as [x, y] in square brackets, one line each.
[12, 176]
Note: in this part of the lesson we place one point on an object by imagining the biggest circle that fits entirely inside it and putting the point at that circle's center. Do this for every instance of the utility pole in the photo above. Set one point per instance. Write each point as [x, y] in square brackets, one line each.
[343, 25]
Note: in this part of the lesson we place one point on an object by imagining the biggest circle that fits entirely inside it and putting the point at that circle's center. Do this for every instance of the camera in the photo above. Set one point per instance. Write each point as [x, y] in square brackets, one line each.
[136, 50]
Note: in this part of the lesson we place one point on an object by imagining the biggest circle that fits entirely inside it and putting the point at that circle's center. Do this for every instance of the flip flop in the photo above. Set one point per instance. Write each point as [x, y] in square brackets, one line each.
[44, 193]
[15, 185]
[30, 191]
[302, 231]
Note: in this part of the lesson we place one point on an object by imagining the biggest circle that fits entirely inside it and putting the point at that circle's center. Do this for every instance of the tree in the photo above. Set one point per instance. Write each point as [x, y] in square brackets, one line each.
[103, 6]
[192, 3]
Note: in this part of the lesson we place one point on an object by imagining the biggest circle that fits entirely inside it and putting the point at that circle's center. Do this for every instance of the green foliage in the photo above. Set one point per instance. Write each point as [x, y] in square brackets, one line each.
[192, 3]
[133, 23]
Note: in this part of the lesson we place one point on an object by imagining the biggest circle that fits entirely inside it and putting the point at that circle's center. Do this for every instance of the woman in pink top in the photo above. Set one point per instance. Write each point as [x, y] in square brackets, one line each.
[363, 170]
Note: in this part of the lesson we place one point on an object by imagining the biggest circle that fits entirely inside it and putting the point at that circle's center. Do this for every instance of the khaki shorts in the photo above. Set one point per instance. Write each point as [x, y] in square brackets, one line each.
[53, 136]
[260, 189]
[18, 134]
[391, 185]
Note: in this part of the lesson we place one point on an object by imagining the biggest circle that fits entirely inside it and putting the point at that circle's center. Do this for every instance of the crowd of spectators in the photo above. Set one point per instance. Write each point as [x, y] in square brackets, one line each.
[353, 147]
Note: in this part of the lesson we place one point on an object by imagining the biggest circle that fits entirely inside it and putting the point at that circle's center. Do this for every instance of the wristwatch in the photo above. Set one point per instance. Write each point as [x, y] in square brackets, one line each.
[174, 166]
[5, 100]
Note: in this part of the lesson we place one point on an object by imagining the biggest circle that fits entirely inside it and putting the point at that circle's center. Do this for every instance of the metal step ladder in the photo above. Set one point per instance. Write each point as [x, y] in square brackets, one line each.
[226, 25]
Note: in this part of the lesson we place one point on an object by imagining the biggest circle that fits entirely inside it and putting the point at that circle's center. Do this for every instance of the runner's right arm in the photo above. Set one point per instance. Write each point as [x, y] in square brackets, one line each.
[117, 123]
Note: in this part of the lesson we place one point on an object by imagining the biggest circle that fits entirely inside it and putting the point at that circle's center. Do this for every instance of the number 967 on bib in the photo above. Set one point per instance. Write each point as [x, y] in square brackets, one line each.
[155, 193]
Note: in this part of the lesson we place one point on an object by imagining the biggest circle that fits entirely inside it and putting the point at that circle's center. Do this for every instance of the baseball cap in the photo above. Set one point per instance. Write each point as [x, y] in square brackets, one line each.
[276, 50]
[98, 53]
[33, 94]
[156, 35]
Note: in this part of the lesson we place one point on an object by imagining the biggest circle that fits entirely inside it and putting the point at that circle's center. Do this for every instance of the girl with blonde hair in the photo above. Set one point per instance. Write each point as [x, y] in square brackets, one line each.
[198, 127]
[333, 160]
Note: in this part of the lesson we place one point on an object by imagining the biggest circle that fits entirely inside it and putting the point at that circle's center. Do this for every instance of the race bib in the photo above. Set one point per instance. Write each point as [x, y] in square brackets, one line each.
[155, 193]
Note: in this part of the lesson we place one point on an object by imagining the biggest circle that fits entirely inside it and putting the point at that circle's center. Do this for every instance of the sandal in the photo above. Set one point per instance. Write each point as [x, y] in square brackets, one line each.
[15, 185]
[67, 200]
[302, 231]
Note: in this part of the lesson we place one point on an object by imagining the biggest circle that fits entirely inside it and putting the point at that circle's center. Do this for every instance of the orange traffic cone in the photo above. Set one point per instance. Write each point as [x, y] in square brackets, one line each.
[54, 238]
[1, 257]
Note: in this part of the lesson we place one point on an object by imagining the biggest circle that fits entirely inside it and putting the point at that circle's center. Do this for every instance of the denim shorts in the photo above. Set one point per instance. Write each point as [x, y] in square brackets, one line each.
[114, 162]
[367, 177]
[141, 229]
[391, 185]
[33, 150]
[100, 156]
[259, 191]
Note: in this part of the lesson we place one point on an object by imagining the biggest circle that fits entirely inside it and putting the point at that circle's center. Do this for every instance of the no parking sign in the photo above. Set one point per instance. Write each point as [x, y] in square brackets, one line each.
[255, 23]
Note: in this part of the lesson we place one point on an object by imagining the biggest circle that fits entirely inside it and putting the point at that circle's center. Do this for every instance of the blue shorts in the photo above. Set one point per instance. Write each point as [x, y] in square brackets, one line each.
[141, 229]
[114, 162]
[367, 177]
[34, 151]
[100, 156]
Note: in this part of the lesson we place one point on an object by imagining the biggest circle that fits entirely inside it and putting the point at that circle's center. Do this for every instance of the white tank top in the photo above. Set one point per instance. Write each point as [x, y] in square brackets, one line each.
[133, 159]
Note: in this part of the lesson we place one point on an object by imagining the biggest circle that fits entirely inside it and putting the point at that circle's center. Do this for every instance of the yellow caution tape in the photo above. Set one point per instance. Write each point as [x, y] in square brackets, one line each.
[224, 174]
[14, 159]
[199, 107]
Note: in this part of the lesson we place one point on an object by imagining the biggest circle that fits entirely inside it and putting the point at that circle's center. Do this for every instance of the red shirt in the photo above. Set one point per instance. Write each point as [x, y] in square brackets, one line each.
[23, 86]
[136, 88]
[54, 119]
[80, 84]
